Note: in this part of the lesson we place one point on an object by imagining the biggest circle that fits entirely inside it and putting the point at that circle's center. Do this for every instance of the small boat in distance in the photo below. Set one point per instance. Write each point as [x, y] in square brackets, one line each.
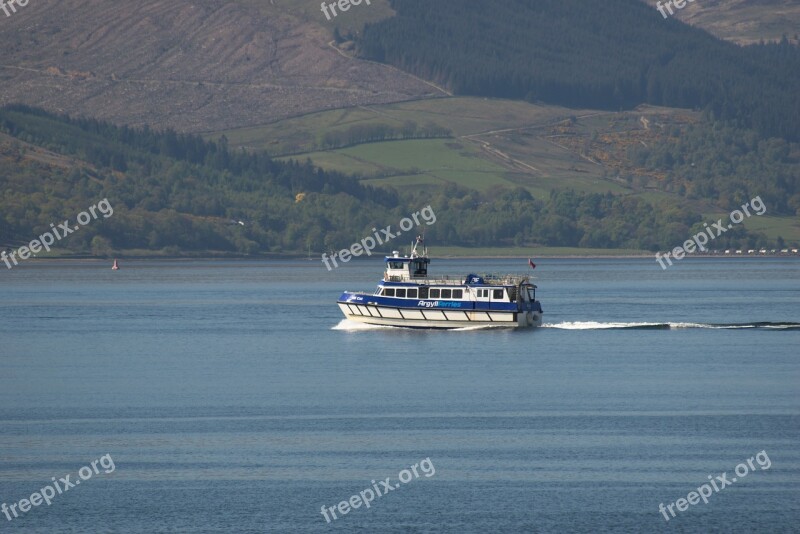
[406, 297]
[115, 267]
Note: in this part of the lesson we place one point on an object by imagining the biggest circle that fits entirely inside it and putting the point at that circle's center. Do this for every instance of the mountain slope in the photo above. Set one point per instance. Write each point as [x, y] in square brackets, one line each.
[191, 65]
[610, 55]
[744, 21]
[177, 193]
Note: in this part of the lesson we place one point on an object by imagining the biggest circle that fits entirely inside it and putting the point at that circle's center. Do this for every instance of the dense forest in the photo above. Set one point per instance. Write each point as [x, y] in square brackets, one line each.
[602, 55]
[178, 193]
[725, 166]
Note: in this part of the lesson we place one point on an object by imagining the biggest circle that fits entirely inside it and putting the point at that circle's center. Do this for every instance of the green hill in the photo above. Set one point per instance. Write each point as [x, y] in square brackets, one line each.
[669, 158]
[605, 55]
[175, 193]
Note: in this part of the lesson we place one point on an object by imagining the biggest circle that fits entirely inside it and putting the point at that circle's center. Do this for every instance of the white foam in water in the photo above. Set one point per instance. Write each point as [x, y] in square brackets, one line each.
[594, 325]
[347, 324]
[478, 327]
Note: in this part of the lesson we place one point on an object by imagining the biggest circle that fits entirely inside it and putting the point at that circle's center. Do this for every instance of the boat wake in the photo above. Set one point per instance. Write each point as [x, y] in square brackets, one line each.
[348, 325]
[481, 327]
[353, 326]
[593, 325]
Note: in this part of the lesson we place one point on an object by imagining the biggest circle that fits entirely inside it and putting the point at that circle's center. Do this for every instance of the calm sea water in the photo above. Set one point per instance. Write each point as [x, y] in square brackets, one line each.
[232, 397]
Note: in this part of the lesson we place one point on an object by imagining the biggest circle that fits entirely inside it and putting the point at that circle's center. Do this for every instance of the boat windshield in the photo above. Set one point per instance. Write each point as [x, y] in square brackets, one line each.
[512, 294]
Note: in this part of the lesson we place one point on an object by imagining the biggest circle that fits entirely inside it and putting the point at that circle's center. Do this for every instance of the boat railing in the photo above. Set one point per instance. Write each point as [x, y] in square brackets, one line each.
[444, 281]
[447, 281]
[500, 279]
[492, 279]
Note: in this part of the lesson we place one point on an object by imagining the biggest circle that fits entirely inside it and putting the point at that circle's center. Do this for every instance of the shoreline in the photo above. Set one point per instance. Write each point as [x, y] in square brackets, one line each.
[293, 257]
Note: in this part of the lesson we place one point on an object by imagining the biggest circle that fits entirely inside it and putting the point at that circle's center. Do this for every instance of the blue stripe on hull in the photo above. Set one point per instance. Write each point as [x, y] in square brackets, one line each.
[436, 304]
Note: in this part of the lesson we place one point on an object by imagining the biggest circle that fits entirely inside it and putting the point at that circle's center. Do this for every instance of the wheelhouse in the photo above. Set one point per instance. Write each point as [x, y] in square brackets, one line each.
[400, 269]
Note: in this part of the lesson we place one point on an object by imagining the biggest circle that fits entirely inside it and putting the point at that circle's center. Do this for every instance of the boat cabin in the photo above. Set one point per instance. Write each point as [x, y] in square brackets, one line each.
[406, 277]
[404, 269]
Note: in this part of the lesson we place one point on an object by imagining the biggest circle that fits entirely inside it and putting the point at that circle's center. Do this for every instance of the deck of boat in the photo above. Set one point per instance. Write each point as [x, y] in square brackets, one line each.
[490, 280]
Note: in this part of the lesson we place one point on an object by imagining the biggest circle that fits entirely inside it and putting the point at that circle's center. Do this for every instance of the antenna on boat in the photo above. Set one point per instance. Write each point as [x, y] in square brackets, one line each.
[414, 253]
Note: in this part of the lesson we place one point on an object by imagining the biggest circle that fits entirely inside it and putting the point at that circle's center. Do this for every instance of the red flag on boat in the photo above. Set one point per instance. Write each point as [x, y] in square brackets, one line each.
[530, 262]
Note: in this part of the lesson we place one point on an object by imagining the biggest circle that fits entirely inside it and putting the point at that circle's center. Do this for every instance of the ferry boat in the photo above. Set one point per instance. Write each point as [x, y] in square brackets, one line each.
[407, 297]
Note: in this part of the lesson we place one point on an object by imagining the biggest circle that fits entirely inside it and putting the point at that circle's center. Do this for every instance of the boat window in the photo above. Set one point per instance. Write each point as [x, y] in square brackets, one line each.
[395, 264]
[420, 268]
[447, 293]
[401, 293]
[532, 293]
[388, 291]
[458, 293]
[498, 294]
[512, 293]
[412, 293]
[423, 292]
[434, 293]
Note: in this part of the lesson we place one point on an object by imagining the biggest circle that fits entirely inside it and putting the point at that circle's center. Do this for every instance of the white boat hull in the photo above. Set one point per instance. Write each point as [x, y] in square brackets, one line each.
[432, 318]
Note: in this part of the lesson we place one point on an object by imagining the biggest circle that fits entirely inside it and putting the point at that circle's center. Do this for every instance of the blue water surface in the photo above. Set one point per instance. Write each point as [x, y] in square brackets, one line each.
[232, 397]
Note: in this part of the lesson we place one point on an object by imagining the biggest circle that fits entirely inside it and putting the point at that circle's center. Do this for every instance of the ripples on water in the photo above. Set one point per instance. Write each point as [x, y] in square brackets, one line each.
[234, 397]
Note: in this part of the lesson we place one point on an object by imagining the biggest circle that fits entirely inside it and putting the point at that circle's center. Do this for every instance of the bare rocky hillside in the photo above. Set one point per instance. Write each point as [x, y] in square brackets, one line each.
[743, 21]
[196, 66]
[212, 65]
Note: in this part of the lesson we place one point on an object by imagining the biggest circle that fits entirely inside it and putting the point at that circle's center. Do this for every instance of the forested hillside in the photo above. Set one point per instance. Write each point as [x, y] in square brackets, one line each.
[178, 193]
[608, 55]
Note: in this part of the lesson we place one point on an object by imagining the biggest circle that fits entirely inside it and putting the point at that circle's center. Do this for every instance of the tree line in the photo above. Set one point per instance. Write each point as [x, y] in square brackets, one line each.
[181, 194]
[613, 54]
[371, 133]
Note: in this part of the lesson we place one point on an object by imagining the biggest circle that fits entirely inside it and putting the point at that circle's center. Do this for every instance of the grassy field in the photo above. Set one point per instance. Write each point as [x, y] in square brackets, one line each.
[786, 227]
[495, 143]
[464, 116]
[415, 162]
[533, 146]
[490, 146]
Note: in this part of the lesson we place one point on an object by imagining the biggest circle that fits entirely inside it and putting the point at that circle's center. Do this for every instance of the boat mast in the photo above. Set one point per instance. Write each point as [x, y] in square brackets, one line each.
[414, 253]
